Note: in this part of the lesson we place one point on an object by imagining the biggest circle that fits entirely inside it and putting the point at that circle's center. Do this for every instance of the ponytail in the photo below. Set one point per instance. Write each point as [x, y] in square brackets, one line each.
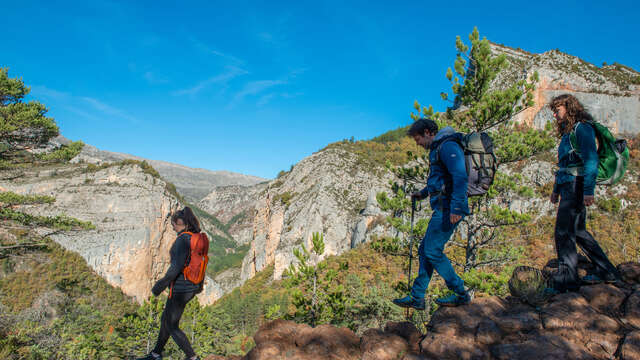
[188, 218]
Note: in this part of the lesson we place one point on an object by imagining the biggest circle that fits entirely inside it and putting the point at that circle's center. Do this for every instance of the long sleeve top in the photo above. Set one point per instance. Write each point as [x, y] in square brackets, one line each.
[585, 156]
[180, 251]
[448, 178]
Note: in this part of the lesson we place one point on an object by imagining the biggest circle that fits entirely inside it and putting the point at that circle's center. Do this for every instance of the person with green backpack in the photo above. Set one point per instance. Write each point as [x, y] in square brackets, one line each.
[581, 165]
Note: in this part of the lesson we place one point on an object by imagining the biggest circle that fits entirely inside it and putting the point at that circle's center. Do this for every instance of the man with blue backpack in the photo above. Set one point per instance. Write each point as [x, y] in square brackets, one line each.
[582, 165]
[447, 188]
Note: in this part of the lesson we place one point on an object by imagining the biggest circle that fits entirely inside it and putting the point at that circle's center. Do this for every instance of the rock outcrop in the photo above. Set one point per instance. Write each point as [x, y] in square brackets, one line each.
[130, 210]
[192, 183]
[595, 323]
[611, 93]
[329, 192]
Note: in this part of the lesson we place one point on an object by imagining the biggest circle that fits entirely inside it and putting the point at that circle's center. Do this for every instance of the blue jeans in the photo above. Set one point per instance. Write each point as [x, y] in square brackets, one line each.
[431, 256]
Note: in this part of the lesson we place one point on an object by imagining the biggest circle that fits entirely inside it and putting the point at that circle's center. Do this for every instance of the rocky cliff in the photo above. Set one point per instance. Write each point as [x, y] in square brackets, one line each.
[331, 192]
[611, 93]
[130, 209]
[191, 183]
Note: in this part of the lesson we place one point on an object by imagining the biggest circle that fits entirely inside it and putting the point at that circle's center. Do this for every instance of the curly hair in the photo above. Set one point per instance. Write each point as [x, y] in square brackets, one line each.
[575, 113]
[420, 125]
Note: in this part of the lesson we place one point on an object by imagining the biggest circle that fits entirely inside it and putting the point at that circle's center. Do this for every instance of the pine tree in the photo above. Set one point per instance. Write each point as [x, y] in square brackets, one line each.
[480, 104]
[23, 125]
[316, 298]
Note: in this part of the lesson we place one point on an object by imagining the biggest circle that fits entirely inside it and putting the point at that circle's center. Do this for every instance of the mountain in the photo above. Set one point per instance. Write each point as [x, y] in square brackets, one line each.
[192, 183]
[334, 190]
[611, 93]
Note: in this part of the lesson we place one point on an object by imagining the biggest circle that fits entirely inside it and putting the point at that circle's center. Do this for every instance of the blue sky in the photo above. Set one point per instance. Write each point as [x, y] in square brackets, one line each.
[254, 87]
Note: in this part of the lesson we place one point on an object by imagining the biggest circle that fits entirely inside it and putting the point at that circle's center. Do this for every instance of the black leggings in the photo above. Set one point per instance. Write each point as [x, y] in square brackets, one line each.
[571, 230]
[170, 321]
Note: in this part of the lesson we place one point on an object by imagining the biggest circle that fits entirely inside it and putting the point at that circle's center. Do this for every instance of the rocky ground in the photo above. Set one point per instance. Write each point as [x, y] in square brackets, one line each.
[599, 322]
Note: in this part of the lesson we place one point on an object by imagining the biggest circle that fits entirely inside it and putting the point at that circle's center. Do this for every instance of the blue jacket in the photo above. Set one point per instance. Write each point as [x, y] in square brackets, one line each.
[447, 181]
[588, 158]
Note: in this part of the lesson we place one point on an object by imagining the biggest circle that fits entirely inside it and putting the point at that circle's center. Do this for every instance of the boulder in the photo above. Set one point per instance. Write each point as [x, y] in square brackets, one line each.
[279, 331]
[451, 348]
[605, 298]
[376, 344]
[547, 347]
[328, 342]
[277, 339]
[461, 322]
[407, 331]
[569, 315]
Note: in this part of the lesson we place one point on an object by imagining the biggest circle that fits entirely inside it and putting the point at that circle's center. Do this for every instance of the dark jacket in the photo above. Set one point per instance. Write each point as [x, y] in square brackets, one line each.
[180, 251]
[447, 181]
[587, 158]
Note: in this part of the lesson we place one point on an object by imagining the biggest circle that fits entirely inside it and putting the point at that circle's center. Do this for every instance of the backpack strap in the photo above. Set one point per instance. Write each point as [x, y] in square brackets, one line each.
[573, 142]
[454, 138]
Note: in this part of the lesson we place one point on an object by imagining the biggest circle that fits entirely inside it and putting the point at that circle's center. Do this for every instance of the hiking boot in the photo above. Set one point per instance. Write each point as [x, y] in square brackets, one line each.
[410, 302]
[151, 356]
[595, 279]
[454, 300]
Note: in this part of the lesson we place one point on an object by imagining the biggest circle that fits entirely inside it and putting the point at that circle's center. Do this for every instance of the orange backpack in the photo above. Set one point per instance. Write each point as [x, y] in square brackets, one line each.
[195, 270]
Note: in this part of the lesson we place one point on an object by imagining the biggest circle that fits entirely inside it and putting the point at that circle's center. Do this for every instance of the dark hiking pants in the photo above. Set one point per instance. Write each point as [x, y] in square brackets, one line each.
[571, 230]
[169, 324]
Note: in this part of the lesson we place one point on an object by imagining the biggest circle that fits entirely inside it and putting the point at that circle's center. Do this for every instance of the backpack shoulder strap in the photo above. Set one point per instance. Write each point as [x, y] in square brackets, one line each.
[455, 137]
[573, 137]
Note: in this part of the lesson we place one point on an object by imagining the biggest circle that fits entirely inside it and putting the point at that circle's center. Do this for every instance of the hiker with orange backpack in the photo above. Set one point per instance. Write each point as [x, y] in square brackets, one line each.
[185, 279]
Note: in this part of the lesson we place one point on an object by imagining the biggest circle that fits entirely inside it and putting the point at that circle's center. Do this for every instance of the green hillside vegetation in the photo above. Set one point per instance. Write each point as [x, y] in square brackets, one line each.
[224, 252]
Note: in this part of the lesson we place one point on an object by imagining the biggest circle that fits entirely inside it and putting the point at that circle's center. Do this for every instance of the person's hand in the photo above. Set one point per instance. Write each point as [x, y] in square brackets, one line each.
[589, 200]
[454, 218]
[155, 290]
[554, 198]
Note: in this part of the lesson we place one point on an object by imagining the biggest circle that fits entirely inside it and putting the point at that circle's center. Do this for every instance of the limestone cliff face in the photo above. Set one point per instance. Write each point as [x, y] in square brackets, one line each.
[329, 192]
[133, 235]
[610, 93]
[227, 202]
[193, 184]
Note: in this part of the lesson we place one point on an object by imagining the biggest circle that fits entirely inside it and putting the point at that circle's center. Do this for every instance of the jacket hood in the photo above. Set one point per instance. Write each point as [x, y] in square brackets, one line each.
[444, 132]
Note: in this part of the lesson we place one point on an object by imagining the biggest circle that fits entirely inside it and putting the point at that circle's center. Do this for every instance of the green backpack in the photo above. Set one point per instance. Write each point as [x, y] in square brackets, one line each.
[613, 155]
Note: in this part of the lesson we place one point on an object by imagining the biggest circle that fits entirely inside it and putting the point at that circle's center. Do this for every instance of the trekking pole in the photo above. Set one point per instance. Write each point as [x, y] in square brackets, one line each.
[413, 210]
